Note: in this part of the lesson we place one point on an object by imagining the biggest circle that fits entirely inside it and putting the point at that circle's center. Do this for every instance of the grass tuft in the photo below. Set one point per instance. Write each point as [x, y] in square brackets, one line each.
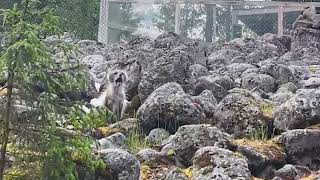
[136, 141]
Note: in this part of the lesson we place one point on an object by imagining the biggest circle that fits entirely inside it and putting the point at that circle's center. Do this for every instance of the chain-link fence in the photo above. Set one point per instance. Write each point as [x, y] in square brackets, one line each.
[213, 20]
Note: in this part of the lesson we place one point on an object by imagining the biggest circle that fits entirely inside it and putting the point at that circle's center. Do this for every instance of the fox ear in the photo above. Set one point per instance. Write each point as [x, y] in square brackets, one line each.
[110, 76]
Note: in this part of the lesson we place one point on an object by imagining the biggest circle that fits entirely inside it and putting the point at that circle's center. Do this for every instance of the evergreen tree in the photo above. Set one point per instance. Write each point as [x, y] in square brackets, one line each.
[29, 116]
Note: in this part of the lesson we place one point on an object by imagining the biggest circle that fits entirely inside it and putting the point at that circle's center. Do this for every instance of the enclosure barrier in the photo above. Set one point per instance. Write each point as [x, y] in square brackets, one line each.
[256, 16]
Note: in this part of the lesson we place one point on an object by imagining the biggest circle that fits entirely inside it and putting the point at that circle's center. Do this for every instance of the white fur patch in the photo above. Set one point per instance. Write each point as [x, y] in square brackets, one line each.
[97, 86]
[96, 102]
[85, 109]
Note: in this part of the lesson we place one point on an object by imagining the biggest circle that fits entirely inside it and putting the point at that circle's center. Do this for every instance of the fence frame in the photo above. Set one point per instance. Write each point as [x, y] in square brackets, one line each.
[278, 7]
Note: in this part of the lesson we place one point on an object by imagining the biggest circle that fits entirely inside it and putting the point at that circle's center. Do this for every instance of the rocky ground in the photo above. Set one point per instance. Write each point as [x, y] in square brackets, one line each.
[246, 109]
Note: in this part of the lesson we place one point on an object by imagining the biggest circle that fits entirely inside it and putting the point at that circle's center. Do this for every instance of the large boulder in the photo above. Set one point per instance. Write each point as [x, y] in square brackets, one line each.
[306, 29]
[300, 111]
[259, 50]
[116, 140]
[152, 157]
[176, 174]
[188, 139]
[240, 113]
[173, 67]
[260, 81]
[302, 56]
[217, 163]
[221, 58]
[280, 72]
[157, 136]
[207, 102]
[235, 70]
[121, 164]
[305, 37]
[311, 83]
[264, 158]
[169, 107]
[283, 43]
[218, 85]
[302, 147]
[290, 171]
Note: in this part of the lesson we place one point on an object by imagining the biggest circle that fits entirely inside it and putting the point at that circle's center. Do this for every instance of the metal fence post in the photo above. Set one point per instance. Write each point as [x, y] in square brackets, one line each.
[177, 21]
[280, 20]
[214, 21]
[103, 22]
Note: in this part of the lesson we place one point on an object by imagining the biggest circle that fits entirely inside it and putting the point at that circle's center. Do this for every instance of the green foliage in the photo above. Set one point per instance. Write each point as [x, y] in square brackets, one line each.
[136, 141]
[262, 133]
[37, 79]
[81, 120]
[64, 167]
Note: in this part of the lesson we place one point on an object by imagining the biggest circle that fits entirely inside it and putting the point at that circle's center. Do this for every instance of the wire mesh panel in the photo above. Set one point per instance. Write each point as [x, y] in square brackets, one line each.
[289, 19]
[210, 21]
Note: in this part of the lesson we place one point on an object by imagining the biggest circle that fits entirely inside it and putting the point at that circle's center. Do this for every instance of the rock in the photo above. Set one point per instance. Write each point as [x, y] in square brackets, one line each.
[92, 61]
[217, 163]
[152, 157]
[167, 41]
[302, 56]
[260, 51]
[196, 71]
[188, 139]
[221, 58]
[218, 85]
[169, 107]
[155, 172]
[167, 141]
[289, 87]
[283, 94]
[114, 141]
[125, 125]
[176, 174]
[306, 33]
[157, 136]
[302, 147]
[173, 67]
[207, 102]
[134, 78]
[301, 111]
[121, 164]
[283, 42]
[281, 73]
[281, 97]
[241, 114]
[263, 158]
[300, 72]
[311, 83]
[235, 70]
[261, 81]
[291, 172]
